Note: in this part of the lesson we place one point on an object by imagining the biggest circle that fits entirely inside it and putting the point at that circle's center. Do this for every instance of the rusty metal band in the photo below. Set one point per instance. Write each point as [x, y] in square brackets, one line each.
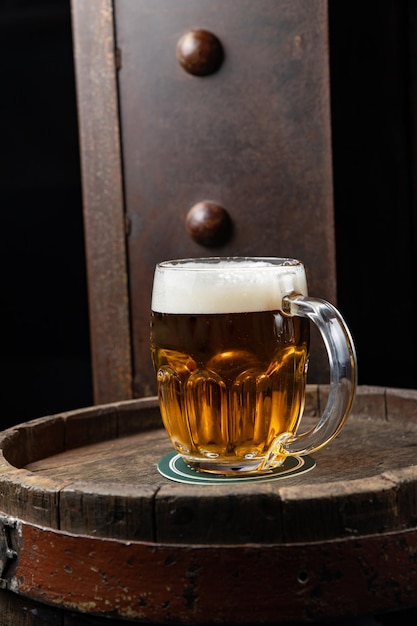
[140, 580]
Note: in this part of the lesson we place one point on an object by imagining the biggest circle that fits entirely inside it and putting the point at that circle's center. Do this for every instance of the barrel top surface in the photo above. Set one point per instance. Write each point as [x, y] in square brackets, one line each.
[95, 471]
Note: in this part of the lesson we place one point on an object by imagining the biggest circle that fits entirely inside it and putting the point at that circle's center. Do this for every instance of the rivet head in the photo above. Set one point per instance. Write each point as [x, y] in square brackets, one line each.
[208, 224]
[199, 52]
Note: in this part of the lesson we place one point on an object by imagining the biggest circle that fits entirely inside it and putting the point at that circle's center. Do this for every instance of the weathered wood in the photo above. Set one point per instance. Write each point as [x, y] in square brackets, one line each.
[20, 611]
[102, 185]
[105, 459]
[349, 526]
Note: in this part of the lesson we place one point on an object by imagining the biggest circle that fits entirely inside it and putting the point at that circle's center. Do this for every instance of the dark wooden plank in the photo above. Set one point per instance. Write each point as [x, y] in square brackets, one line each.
[123, 460]
[132, 421]
[108, 509]
[400, 404]
[16, 610]
[22, 448]
[26, 496]
[90, 425]
[97, 97]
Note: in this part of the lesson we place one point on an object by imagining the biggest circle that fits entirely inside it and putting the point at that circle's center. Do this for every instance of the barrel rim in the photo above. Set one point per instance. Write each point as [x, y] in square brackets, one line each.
[37, 499]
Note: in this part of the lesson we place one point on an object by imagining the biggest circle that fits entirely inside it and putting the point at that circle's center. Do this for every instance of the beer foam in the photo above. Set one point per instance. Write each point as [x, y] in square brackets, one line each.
[220, 285]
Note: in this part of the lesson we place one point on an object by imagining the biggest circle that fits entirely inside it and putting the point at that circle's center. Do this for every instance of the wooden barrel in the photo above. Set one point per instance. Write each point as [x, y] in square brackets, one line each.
[89, 525]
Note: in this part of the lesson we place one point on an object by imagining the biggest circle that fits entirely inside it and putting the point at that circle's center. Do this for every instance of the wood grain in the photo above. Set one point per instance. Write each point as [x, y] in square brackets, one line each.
[96, 472]
[89, 499]
[103, 203]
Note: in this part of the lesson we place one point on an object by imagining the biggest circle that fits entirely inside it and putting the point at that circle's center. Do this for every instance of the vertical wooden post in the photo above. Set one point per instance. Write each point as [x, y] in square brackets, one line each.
[101, 165]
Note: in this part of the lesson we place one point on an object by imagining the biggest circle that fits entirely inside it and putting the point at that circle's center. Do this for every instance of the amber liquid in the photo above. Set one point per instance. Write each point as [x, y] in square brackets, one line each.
[230, 385]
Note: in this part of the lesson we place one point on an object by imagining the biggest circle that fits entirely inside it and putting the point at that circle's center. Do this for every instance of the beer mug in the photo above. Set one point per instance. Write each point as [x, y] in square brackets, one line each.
[230, 348]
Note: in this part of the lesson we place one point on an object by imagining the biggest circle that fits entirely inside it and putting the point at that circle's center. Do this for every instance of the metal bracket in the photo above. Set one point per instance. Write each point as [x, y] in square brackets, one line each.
[9, 528]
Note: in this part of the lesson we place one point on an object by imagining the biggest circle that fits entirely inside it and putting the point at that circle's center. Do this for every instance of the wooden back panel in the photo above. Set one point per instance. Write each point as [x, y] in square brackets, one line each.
[252, 137]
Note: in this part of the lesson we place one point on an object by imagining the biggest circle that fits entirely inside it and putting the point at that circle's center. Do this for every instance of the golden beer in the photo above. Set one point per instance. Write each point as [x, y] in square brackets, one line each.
[231, 367]
[230, 385]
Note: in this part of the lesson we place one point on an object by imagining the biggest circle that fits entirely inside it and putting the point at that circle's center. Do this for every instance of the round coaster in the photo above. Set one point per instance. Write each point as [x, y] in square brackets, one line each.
[173, 467]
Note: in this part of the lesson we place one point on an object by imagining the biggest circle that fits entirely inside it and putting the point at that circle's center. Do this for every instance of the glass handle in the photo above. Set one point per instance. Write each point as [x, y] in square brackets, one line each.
[343, 371]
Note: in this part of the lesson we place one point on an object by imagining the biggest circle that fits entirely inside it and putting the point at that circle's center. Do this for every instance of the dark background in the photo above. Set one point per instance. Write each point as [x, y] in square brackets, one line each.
[45, 356]
[44, 316]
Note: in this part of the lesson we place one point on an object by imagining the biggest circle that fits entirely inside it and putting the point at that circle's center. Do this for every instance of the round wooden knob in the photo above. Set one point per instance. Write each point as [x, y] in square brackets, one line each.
[199, 52]
[208, 223]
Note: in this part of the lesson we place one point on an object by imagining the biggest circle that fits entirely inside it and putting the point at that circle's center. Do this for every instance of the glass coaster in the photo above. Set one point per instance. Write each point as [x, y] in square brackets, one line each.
[172, 466]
